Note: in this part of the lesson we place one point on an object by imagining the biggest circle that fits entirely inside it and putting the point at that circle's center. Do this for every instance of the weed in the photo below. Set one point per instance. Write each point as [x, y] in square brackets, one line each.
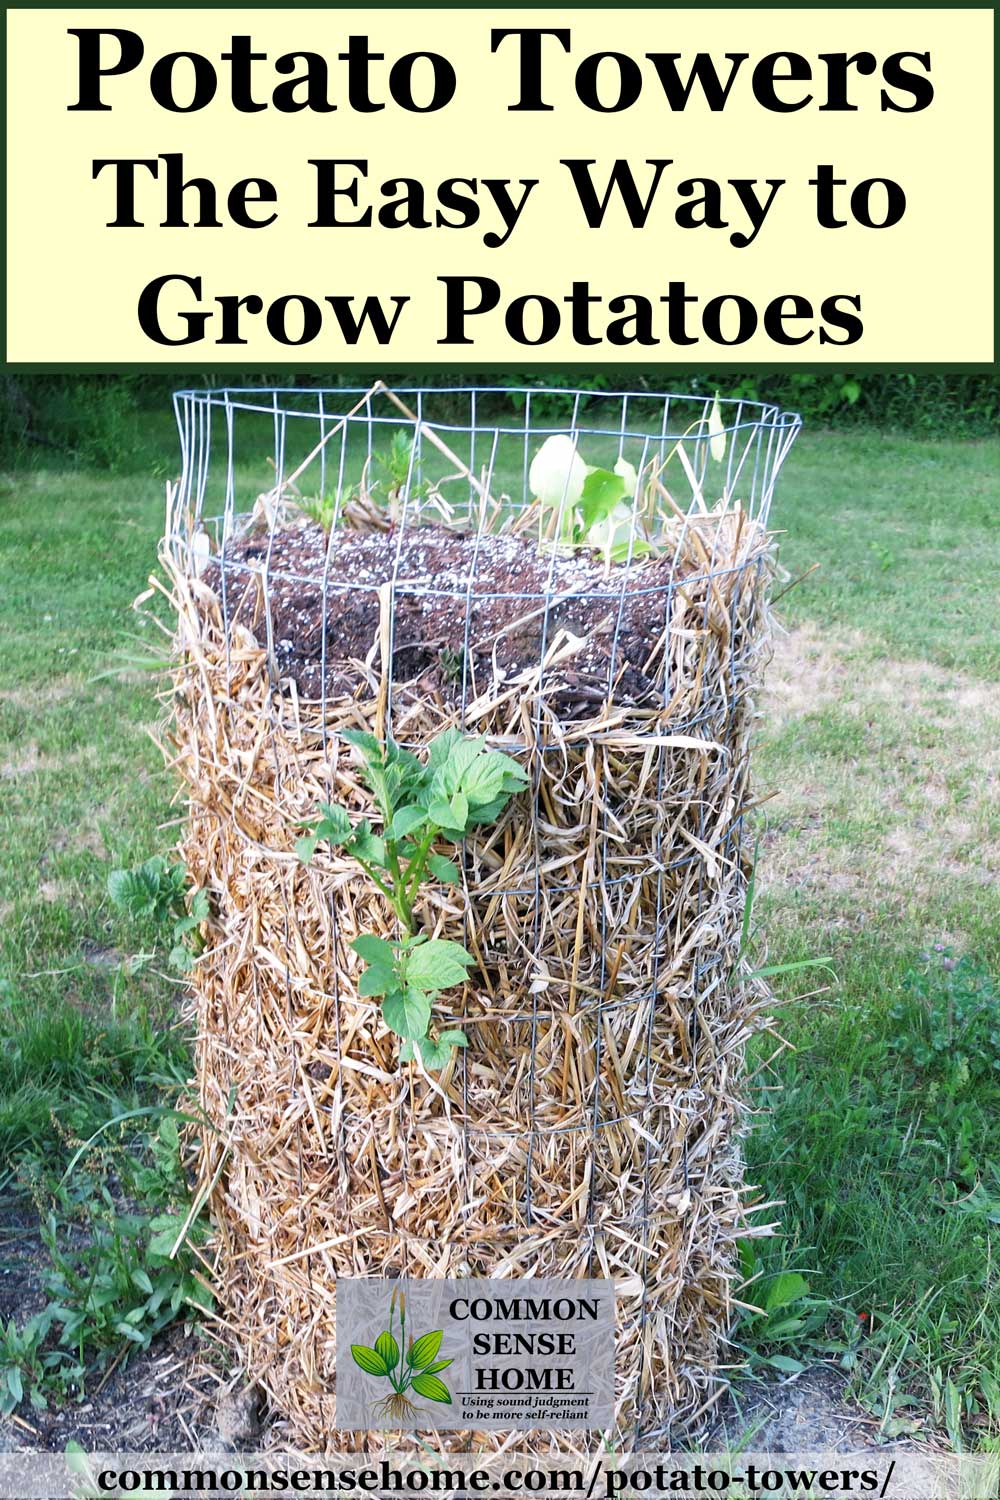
[398, 468]
[158, 890]
[121, 1241]
[784, 1315]
[948, 1022]
[29, 1365]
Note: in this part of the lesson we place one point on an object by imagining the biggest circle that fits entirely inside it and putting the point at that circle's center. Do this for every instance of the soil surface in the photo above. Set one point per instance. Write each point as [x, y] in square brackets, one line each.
[807, 1413]
[163, 1398]
[165, 1401]
[468, 609]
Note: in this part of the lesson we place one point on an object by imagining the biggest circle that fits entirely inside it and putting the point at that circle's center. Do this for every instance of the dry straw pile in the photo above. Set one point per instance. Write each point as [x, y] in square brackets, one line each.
[592, 1125]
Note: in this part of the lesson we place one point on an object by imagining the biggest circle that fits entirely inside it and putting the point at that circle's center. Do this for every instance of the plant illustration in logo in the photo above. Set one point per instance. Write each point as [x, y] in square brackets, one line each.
[415, 1369]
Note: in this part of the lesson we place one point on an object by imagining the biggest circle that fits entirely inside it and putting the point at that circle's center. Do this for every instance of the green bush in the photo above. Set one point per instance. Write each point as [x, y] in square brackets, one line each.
[93, 419]
[98, 420]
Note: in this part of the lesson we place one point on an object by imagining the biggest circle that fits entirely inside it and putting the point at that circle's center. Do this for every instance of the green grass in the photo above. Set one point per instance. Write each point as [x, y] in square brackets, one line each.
[880, 844]
[884, 840]
[905, 533]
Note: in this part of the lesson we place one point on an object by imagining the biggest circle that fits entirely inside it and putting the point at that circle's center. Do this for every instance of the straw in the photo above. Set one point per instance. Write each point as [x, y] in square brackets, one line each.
[592, 1126]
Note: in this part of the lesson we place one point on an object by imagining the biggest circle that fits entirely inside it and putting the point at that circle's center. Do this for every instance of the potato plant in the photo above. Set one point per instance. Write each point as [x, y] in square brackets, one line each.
[460, 786]
[580, 505]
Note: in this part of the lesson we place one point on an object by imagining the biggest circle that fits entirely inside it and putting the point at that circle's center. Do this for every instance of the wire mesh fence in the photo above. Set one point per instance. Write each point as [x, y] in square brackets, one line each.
[396, 573]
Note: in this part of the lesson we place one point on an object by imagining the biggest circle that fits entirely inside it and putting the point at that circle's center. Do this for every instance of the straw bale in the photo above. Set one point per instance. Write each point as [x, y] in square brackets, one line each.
[592, 1126]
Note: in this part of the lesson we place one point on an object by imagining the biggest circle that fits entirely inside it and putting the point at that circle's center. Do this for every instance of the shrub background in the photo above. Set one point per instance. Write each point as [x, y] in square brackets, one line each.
[99, 419]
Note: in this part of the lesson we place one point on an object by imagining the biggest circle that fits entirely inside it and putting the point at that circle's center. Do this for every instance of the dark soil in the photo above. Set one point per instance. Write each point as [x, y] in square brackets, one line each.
[162, 1399]
[464, 605]
[809, 1413]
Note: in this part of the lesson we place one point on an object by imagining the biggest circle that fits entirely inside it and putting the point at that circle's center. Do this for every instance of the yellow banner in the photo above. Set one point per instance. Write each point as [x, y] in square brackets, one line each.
[499, 186]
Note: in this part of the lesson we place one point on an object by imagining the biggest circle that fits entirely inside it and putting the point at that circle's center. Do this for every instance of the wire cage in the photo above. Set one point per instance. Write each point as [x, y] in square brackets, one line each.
[376, 559]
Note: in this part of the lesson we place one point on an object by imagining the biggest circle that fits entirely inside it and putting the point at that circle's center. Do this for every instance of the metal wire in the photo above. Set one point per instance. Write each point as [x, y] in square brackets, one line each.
[342, 432]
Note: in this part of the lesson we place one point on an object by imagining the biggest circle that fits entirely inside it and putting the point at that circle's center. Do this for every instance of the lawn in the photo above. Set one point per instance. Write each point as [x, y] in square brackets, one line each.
[879, 1124]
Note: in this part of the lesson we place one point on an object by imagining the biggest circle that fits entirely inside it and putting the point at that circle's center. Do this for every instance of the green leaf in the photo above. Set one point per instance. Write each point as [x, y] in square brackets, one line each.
[121, 887]
[483, 780]
[180, 958]
[407, 1013]
[161, 1244]
[514, 774]
[407, 1051]
[437, 965]
[149, 891]
[431, 1387]
[635, 547]
[378, 979]
[786, 1288]
[387, 1349]
[802, 963]
[424, 1350]
[14, 1383]
[395, 755]
[441, 1364]
[334, 824]
[367, 846]
[490, 812]
[199, 908]
[368, 1360]
[434, 1054]
[602, 491]
[305, 847]
[454, 1038]
[777, 1333]
[374, 950]
[444, 870]
[406, 820]
[440, 748]
[371, 749]
[133, 1334]
[460, 811]
[440, 812]
[786, 1363]
[451, 775]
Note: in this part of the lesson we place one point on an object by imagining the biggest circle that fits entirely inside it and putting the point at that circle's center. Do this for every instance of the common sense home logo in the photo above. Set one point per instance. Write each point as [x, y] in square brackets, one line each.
[407, 1365]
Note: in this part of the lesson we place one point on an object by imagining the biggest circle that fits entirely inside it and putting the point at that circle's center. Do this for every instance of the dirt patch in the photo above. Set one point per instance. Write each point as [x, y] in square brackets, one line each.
[467, 609]
[50, 692]
[162, 1399]
[812, 670]
[52, 891]
[809, 1413]
[97, 956]
[32, 760]
[809, 671]
[918, 791]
